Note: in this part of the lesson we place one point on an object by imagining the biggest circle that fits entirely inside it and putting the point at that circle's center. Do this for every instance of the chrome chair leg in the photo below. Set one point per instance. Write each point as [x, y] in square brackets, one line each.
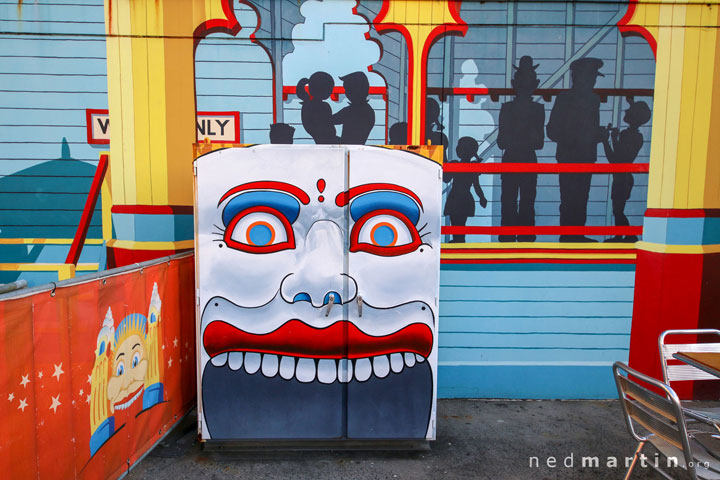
[638, 452]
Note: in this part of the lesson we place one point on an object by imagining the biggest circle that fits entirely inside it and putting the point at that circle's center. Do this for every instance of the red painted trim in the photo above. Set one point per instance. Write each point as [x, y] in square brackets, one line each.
[477, 167]
[235, 115]
[87, 214]
[536, 250]
[119, 257]
[683, 213]
[537, 260]
[89, 112]
[543, 230]
[153, 209]
[228, 25]
[626, 29]
[343, 198]
[268, 185]
[288, 90]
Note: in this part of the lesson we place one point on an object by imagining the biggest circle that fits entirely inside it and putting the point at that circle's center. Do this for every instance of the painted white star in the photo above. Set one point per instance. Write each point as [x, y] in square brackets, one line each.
[170, 363]
[40, 374]
[55, 403]
[11, 397]
[25, 380]
[88, 399]
[163, 347]
[81, 392]
[90, 379]
[22, 405]
[175, 342]
[58, 371]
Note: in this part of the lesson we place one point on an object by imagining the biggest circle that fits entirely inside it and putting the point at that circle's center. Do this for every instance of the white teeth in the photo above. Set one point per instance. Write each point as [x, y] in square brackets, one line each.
[410, 359]
[326, 371]
[305, 371]
[381, 366]
[345, 370]
[269, 365]
[220, 360]
[235, 360]
[252, 362]
[396, 362]
[363, 370]
[287, 367]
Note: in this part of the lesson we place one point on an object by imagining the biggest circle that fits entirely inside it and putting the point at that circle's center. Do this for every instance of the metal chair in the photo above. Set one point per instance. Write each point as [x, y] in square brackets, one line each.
[662, 416]
[683, 372]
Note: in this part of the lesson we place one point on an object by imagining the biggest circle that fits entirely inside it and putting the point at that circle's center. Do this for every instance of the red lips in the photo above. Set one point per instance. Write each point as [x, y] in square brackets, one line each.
[297, 339]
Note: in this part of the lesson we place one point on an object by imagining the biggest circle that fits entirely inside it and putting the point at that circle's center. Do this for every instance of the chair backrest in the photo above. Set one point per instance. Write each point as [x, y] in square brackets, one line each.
[673, 372]
[661, 415]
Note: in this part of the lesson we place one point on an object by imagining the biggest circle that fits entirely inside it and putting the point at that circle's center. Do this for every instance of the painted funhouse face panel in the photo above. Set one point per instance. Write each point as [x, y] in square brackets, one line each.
[318, 270]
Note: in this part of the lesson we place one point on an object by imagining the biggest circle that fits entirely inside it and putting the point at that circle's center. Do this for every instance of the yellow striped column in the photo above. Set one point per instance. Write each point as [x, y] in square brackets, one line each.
[678, 267]
[151, 100]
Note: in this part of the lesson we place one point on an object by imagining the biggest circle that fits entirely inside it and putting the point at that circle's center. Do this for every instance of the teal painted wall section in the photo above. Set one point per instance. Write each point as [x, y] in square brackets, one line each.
[533, 331]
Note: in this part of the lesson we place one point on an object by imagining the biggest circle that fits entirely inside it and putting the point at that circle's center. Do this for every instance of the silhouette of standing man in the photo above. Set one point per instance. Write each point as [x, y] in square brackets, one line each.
[520, 133]
[358, 118]
[575, 126]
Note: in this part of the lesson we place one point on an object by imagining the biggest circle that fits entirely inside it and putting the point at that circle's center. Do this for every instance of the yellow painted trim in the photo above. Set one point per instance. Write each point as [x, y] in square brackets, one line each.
[46, 267]
[141, 78]
[133, 245]
[47, 241]
[127, 104]
[538, 255]
[690, 249]
[539, 246]
[106, 201]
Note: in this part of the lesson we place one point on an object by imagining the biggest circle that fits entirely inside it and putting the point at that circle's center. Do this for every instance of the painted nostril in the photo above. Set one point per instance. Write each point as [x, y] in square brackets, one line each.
[336, 300]
[302, 297]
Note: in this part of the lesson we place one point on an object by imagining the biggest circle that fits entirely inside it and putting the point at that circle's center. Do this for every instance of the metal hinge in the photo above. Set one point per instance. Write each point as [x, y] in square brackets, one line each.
[197, 296]
[195, 167]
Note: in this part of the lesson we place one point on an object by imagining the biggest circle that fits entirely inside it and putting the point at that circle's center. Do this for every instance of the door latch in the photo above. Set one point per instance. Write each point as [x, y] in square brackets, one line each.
[360, 304]
[331, 302]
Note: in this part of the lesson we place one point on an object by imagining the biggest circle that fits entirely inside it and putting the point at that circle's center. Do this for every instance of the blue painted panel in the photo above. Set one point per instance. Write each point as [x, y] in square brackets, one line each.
[57, 83]
[52, 231]
[583, 325]
[529, 356]
[554, 294]
[610, 309]
[30, 65]
[53, 100]
[539, 382]
[62, 47]
[44, 27]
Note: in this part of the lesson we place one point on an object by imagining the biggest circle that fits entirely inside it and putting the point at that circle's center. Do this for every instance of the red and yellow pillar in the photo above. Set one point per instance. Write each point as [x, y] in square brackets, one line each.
[151, 100]
[678, 266]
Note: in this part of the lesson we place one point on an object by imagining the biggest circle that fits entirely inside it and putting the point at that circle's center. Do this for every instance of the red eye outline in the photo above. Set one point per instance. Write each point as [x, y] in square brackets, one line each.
[235, 245]
[357, 246]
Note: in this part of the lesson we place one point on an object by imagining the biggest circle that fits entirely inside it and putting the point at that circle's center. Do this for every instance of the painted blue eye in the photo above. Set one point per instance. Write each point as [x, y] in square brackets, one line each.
[261, 234]
[120, 369]
[384, 235]
[135, 359]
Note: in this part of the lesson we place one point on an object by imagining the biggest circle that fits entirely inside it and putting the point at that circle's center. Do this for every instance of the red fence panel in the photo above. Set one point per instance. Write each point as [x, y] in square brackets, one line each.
[95, 372]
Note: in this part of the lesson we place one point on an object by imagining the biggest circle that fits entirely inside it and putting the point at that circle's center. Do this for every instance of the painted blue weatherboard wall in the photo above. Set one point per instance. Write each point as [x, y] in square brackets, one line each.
[534, 330]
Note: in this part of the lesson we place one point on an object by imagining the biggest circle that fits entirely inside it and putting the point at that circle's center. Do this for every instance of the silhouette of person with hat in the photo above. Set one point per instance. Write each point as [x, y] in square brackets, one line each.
[520, 133]
[624, 149]
[281, 133]
[460, 204]
[575, 126]
[358, 118]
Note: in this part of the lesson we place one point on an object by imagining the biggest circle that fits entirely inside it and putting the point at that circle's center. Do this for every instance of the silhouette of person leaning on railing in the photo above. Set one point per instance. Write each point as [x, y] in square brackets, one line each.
[316, 113]
[460, 204]
[575, 126]
[520, 133]
[432, 121]
[624, 149]
[358, 118]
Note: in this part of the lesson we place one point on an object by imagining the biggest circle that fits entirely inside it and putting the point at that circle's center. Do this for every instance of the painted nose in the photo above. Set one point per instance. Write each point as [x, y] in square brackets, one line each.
[318, 273]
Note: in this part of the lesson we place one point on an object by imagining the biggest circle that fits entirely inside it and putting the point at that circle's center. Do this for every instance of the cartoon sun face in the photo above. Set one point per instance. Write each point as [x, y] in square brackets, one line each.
[128, 374]
[282, 235]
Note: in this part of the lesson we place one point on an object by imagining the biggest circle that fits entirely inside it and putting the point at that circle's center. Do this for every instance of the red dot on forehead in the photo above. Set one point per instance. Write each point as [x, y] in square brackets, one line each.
[321, 199]
[321, 185]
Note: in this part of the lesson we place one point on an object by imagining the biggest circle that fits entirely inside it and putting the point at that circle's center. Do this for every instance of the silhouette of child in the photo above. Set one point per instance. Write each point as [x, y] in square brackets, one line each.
[316, 114]
[398, 134]
[432, 120]
[281, 133]
[358, 118]
[460, 203]
[624, 149]
[520, 133]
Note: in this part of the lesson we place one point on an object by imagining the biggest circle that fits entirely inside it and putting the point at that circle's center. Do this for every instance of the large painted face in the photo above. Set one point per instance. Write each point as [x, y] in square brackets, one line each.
[318, 275]
[128, 375]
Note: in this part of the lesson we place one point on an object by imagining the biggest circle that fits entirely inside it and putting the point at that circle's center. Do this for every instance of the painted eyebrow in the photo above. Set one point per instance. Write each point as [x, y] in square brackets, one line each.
[343, 198]
[119, 355]
[267, 185]
[136, 345]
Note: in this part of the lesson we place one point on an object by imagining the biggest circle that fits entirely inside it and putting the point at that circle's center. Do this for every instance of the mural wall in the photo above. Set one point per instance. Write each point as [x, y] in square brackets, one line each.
[545, 110]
